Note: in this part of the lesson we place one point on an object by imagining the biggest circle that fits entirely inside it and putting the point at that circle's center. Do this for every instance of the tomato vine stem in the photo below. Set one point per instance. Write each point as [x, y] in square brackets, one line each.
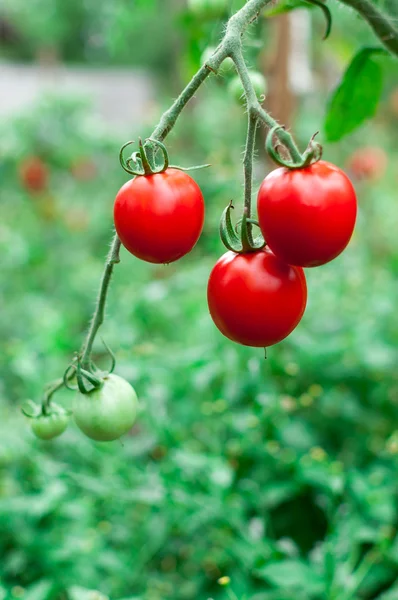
[230, 46]
[248, 171]
[98, 316]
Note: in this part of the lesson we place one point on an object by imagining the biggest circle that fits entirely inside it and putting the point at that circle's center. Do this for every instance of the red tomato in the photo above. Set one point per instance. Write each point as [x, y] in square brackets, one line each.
[307, 216]
[33, 174]
[368, 163]
[159, 217]
[256, 299]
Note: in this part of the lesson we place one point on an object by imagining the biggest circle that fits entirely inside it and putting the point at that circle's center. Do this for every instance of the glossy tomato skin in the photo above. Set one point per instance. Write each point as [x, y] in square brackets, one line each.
[307, 216]
[256, 299]
[107, 413]
[159, 218]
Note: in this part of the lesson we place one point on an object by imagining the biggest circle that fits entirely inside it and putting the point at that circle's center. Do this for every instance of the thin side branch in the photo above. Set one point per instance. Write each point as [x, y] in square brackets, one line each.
[255, 107]
[98, 317]
[230, 46]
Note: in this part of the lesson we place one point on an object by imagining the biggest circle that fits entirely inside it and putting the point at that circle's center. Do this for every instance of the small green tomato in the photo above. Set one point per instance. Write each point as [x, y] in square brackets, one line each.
[106, 413]
[236, 90]
[208, 9]
[47, 427]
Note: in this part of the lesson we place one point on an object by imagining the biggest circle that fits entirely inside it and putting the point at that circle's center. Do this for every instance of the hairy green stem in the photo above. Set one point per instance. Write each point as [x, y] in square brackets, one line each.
[98, 316]
[51, 389]
[254, 107]
[381, 24]
[248, 169]
[230, 46]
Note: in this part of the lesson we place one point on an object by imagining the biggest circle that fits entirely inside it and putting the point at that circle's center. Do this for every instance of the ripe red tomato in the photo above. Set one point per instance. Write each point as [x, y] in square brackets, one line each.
[159, 217]
[307, 216]
[256, 299]
[33, 174]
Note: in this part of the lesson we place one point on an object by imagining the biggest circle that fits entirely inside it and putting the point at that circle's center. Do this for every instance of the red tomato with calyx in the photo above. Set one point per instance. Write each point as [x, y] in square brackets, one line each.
[159, 217]
[34, 175]
[256, 299]
[307, 216]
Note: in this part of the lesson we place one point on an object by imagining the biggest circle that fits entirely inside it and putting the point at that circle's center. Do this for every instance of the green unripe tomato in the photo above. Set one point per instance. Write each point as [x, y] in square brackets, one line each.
[106, 413]
[227, 66]
[208, 9]
[47, 427]
[236, 90]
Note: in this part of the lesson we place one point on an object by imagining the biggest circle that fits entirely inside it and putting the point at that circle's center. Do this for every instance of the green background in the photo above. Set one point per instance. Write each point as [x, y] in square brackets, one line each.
[281, 474]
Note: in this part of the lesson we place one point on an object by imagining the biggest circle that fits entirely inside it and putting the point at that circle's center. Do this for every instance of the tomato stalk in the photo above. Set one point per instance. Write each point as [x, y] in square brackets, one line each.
[98, 318]
[230, 46]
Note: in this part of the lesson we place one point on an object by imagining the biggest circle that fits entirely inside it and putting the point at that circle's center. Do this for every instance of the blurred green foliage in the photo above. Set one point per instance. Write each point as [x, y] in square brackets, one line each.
[281, 474]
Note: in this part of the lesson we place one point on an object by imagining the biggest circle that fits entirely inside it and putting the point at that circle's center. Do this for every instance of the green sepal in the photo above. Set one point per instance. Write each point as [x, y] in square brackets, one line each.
[238, 238]
[82, 375]
[112, 356]
[66, 378]
[248, 244]
[30, 409]
[194, 168]
[327, 13]
[312, 154]
[228, 235]
[139, 164]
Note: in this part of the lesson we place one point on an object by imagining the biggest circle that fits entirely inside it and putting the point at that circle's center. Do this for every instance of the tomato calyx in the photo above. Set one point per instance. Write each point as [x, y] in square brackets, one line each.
[140, 162]
[34, 411]
[311, 155]
[239, 238]
[88, 377]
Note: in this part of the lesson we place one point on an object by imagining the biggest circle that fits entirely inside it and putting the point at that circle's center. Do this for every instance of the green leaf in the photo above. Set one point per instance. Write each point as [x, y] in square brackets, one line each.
[356, 98]
[291, 574]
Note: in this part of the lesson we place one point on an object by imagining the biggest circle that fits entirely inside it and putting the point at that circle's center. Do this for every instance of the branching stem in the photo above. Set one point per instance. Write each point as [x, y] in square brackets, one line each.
[230, 46]
[98, 316]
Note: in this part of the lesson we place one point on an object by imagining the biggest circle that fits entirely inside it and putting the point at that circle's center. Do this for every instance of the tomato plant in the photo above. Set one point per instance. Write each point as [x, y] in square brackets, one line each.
[34, 174]
[106, 413]
[256, 299]
[51, 425]
[307, 216]
[159, 217]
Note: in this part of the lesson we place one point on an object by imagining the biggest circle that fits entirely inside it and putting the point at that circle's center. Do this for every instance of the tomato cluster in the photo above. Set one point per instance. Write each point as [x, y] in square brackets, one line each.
[103, 414]
[258, 297]
[307, 217]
